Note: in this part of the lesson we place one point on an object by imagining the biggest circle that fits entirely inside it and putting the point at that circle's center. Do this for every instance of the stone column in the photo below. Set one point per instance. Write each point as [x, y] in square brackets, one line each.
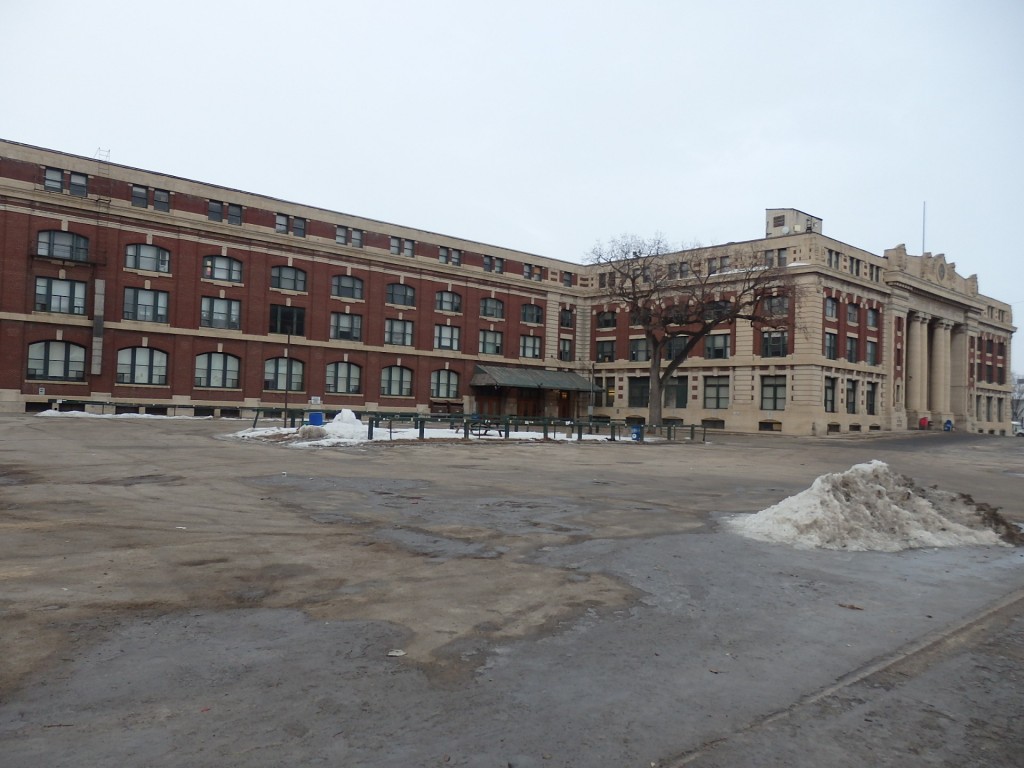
[939, 369]
[946, 340]
[916, 361]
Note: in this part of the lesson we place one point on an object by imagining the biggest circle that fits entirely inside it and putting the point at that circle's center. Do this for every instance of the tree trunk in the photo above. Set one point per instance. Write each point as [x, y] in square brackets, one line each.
[656, 399]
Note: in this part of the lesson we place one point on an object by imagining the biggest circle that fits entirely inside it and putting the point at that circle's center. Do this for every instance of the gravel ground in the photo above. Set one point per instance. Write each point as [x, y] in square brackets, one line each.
[171, 597]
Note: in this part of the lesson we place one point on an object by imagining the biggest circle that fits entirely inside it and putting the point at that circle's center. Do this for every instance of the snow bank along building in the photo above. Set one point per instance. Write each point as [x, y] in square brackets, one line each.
[148, 292]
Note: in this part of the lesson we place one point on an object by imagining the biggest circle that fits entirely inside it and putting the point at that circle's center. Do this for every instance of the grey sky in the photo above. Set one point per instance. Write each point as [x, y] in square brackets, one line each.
[545, 126]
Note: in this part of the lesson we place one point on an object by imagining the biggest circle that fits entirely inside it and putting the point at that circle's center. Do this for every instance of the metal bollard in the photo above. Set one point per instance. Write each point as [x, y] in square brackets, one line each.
[369, 429]
[421, 426]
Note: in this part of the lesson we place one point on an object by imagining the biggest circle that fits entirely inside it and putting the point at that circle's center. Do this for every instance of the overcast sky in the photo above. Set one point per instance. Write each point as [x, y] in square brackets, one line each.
[546, 126]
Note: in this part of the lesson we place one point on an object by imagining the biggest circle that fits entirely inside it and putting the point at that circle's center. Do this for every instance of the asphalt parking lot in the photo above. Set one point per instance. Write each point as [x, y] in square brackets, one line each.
[171, 597]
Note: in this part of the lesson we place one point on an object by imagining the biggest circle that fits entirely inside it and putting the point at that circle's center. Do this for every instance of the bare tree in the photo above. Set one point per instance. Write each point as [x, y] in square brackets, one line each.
[678, 297]
[1017, 398]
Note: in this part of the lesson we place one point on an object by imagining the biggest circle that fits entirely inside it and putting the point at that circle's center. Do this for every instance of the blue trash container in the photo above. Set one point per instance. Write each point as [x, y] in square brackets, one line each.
[637, 432]
[316, 418]
[948, 426]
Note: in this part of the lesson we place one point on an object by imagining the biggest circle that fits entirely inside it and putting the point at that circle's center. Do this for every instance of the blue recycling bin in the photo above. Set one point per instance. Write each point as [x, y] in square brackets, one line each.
[948, 426]
[637, 432]
[316, 418]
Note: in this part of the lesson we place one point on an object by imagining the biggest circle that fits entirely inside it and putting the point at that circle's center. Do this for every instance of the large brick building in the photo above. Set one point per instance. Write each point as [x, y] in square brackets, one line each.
[143, 290]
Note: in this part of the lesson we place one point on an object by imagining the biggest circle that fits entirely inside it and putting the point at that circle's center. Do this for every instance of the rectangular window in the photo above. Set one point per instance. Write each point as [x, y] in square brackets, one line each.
[214, 210]
[831, 307]
[499, 265]
[606, 320]
[776, 306]
[566, 319]
[161, 200]
[605, 351]
[716, 392]
[565, 350]
[289, 320]
[871, 398]
[567, 279]
[145, 305]
[281, 223]
[490, 342]
[604, 392]
[638, 391]
[716, 346]
[831, 346]
[852, 313]
[401, 247]
[53, 180]
[235, 214]
[774, 344]
[782, 257]
[446, 337]
[140, 196]
[871, 353]
[830, 394]
[851, 349]
[529, 346]
[851, 396]
[64, 296]
[675, 346]
[341, 235]
[451, 256]
[639, 350]
[398, 332]
[773, 393]
[488, 263]
[357, 238]
[346, 327]
[79, 186]
[676, 392]
[872, 318]
[220, 313]
[299, 226]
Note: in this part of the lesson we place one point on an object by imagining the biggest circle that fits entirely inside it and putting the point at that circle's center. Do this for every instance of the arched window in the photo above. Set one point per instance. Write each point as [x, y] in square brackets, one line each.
[62, 245]
[287, 278]
[403, 295]
[444, 384]
[216, 369]
[447, 301]
[492, 308]
[396, 381]
[531, 313]
[222, 268]
[141, 365]
[56, 361]
[283, 373]
[344, 378]
[347, 287]
[147, 257]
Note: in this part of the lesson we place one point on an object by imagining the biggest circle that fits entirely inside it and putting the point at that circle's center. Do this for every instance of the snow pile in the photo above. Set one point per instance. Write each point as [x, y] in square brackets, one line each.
[345, 426]
[870, 507]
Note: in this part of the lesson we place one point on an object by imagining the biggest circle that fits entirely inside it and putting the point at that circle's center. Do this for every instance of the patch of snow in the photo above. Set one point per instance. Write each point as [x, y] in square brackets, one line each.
[87, 415]
[869, 507]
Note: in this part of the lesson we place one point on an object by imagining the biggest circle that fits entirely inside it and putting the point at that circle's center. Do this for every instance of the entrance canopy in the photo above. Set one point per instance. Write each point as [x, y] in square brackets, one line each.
[528, 378]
